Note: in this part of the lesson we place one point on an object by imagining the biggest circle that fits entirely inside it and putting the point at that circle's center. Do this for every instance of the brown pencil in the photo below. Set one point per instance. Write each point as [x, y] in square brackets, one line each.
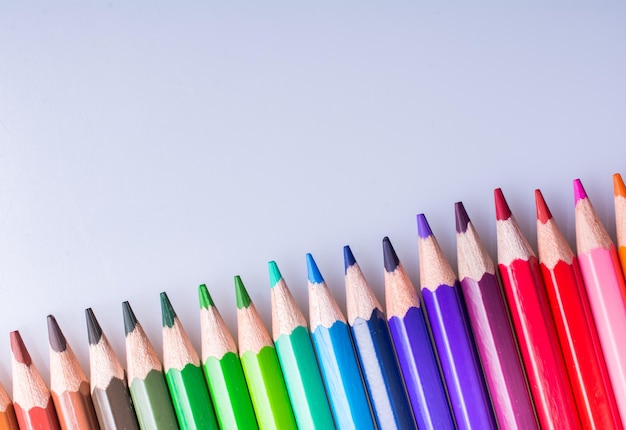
[109, 392]
[68, 384]
[7, 413]
[33, 405]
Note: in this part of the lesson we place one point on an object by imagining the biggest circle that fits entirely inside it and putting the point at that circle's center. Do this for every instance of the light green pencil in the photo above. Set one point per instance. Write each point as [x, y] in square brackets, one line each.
[261, 367]
[297, 358]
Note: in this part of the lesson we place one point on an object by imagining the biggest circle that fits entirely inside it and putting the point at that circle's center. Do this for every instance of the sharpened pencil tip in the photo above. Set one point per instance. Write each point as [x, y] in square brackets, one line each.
[94, 331]
[167, 311]
[19, 349]
[390, 257]
[423, 229]
[619, 189]
[503, 212]
[206, 301]
[275, 275]
[130, 321]
[55, 335]
[313, 273]
[243, 299]
[348, 258]
[461, 217]
[543, 212]
[579, 191]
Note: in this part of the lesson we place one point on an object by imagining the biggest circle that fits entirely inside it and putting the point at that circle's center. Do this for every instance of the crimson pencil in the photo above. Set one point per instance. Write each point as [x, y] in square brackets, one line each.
[574, 323]
[604, 283]
[532, 320]
[492, 330]
[33, 404]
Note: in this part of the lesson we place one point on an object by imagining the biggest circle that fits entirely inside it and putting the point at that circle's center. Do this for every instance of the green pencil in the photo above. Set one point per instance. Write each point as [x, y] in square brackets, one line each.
[145, 378]
[297, 358]
[261, 367]
[222, 368]
[188, 389]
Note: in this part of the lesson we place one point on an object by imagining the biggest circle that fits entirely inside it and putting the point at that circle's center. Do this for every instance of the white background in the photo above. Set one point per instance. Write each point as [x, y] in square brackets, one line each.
[151, 146]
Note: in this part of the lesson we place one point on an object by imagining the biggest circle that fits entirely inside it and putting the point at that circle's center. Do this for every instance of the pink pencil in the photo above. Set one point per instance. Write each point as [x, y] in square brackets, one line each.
[604, 283]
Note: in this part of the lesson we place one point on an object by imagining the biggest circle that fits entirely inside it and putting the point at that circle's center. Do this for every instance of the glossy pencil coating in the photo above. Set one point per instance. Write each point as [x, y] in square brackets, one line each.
[602, 276]
[68, 384]
[533, 323]
[492, 331]
[336, 356]
[109, 392]
[188, 390]
[261, 367]
[459, 360]
[619, 193]
[581, 348]
[8, 421]
[297, 358]
[34, 408]
[147, 384]
[372, 341]
[222, 369]
[413, 346]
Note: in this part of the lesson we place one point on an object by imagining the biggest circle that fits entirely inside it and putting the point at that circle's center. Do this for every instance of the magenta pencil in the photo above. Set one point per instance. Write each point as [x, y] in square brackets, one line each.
[604, 283]
[492, 331]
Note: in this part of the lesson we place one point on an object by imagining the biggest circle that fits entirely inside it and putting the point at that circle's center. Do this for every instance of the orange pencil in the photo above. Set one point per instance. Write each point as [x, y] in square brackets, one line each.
[8, 421]
[619, 191]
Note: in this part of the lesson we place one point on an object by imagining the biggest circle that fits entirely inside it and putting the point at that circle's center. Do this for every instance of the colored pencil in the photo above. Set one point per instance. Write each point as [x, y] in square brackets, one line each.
[336, 356]
[261, 367]
[34, 408]
[413, 346]
[619, 192]
[8, 421]
[492, 330]
[604, 283]
[109, 392]
[222, 369]
[145, 378]
[297, 358]
[183, 374]
[451, 332]
[576, 330]
[533, 323]
[374, 347]
[68, 384]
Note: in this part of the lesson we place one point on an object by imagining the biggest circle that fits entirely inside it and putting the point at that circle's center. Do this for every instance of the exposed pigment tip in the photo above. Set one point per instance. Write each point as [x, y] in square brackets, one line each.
[503, 212]
[275, 275]
[19, 349]
[167, 311]
[460, 215]
[619, 189]
[348, 258]
[543, 212]
[94, 331]
[579, 191]
[55, 335]
[389, 256]
[243, 299]
[205, 298]
[423, 229]
[130, 321]
[313, 273]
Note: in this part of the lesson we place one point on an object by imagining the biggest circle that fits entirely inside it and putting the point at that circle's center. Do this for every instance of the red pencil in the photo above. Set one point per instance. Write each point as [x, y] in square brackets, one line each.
[532, 320]
[581, 348]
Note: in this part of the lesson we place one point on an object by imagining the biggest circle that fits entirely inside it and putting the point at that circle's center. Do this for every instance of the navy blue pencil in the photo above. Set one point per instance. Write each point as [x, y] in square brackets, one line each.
[377, 356]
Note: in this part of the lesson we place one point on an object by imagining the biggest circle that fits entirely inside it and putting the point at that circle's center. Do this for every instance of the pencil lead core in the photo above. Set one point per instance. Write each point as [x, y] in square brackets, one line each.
[348, 258]
[390, 257]
[503, 212]
[619, 189]
[579, 191]
[423, 229]
[543, 212]
[314, 275]
[55, 335]
[130, 321]
[167, 311]
[461, 217]
[94, 331]
[243, 299]
[19, 349]
[275, 275]
[205, 298]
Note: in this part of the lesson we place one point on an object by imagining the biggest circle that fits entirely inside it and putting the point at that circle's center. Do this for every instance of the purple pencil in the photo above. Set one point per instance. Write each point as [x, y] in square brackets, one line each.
[451, 331]
[492, 330]
[413, 347]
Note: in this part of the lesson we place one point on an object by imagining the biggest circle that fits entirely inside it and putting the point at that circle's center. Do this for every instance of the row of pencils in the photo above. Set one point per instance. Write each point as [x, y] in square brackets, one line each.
[534, 342]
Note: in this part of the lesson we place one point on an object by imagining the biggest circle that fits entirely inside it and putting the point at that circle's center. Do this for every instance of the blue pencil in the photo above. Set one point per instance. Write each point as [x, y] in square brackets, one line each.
[336, 356]
[374, 347]
[414, 347]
